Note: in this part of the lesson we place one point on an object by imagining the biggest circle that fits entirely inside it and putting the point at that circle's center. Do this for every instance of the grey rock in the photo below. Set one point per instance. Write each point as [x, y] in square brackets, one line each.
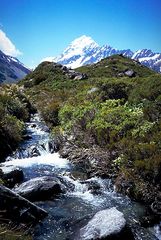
[40, 188]
[11, 175]
[94, 187]
[18, 209]
[27, 137]
[53, 146]
[33, 151]
[130, 73]
[106, 224]
[80, 76]
[92, 90]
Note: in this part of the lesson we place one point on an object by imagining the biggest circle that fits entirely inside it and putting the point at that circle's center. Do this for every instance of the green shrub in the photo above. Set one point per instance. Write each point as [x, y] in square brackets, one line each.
[50, 113]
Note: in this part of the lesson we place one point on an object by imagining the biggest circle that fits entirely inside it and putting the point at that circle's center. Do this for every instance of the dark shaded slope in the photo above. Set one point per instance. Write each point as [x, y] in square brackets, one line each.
[11, 69]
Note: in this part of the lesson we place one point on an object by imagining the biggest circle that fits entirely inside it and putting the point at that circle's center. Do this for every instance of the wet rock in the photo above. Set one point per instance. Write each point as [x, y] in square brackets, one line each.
[18, 209]
[69, 186]
[27, 137]
[11, 175]
[94, 187]
[45, 129]
[149, 220]
[33, 125]
[34, 151]
[53, 146]
[106, 224]
[40, 188]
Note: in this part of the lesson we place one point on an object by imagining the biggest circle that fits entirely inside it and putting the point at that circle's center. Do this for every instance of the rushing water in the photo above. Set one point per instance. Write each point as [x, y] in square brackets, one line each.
[69, 212]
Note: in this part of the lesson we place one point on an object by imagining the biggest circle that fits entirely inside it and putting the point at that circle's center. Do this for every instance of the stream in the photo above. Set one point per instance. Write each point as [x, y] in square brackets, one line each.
[70, 211]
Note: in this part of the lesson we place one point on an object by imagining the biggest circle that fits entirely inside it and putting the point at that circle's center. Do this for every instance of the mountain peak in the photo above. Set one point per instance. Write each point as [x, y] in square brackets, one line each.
[83, 41]
[79, 45]
[84, 50]
[77, 50]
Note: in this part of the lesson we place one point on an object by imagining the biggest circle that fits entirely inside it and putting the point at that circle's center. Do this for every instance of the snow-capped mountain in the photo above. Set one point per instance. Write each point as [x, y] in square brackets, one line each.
[84, 50]
[149, 59]
[11, 69]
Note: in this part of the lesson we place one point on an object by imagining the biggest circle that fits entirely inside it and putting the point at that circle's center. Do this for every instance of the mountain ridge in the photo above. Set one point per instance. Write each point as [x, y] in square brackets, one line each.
[84, 50]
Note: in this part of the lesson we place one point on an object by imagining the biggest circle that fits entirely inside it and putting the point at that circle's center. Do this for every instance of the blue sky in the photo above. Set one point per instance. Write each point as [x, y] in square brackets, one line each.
[42, 28]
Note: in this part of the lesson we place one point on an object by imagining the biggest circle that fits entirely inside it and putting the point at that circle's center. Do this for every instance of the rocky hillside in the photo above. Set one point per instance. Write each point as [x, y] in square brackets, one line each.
[11, 69]
[84, 50]
[109, 114]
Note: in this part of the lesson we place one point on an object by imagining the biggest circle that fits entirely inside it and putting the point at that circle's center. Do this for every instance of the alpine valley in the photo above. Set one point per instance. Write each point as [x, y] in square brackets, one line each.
[84, 50]
[80, 149]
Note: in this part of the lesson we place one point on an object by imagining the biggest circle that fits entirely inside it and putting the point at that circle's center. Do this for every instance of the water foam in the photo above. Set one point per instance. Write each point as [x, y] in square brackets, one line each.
[52, 159]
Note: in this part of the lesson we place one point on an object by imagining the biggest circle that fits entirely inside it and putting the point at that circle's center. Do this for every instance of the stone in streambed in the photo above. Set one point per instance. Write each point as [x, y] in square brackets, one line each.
[34, 151]
[108, 224]
[11, 175]
[40, 188]
[53, 146]
[27, 137]
[18, 209]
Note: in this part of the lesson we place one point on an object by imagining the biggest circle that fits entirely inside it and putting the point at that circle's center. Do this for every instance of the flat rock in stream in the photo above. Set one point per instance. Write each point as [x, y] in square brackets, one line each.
[40, 188]
[108, 224]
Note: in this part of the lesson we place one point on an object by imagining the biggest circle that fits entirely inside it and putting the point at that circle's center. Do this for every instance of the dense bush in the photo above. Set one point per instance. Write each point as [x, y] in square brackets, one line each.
[15, 108]
[50, 113]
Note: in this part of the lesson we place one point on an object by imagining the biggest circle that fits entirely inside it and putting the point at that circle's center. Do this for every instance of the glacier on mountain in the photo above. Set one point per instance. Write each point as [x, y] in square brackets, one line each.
[84, 50]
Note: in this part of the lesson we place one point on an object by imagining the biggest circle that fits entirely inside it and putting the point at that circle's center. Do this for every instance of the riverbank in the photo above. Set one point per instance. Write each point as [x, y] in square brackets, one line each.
[83, 196]
[99, 162]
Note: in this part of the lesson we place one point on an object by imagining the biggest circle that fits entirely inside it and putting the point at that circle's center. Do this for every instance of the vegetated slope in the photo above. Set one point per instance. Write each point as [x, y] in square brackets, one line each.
[11, 69]
[116, 110]
[15, 109]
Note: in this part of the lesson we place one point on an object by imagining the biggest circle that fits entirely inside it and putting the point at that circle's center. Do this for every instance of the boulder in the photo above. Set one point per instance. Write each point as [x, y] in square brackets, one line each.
[80, 76]
[76, 75]
[65, 69]
[53, 146]
[130, 73]
[40, 188]
[11, 175]
[94, 187]
[33, 151]
[108, 224]
[45, 129]
[27, 137]
[33, 125]
[18, 209]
